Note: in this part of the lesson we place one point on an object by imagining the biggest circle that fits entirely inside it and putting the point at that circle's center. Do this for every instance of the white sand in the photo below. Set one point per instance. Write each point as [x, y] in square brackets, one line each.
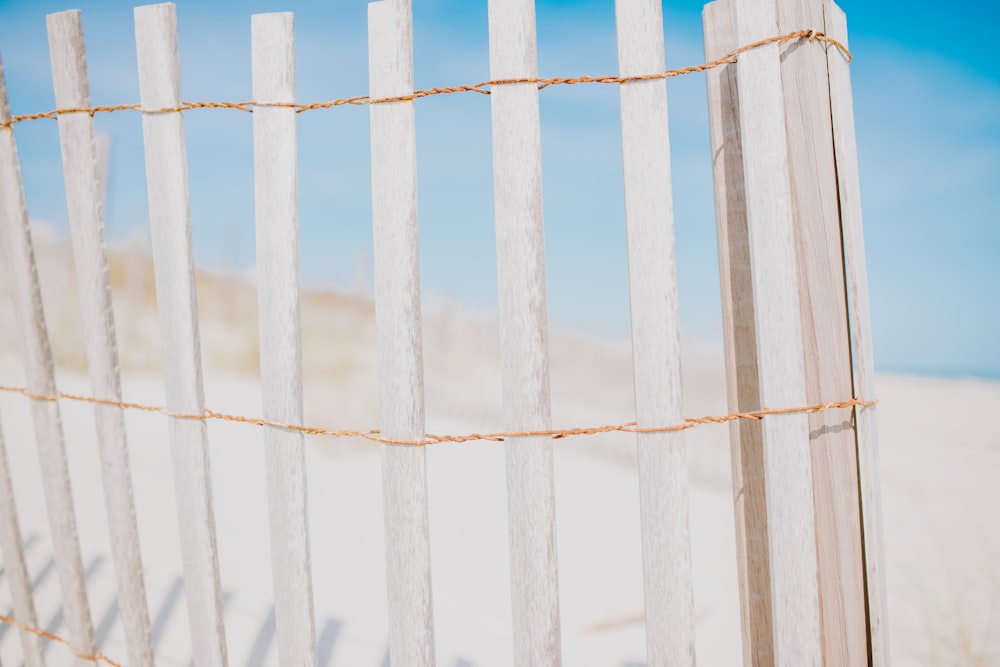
[940, 445]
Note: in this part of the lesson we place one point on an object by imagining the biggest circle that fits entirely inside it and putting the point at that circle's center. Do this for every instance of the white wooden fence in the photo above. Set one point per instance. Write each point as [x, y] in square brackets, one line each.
[795, 316]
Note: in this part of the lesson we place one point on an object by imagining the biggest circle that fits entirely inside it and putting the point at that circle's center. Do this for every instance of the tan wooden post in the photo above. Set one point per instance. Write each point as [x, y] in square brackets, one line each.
[847, 633]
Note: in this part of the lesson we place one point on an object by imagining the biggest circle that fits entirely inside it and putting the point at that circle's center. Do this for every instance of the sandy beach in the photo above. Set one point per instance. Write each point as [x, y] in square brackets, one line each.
[940, 452]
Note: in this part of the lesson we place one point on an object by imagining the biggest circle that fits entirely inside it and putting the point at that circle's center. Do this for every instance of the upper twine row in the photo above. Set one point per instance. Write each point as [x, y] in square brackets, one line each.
[482, 88]
[431, 439]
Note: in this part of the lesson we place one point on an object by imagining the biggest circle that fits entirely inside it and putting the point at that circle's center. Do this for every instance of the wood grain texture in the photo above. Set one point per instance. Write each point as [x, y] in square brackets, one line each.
[738, 321]
[656, 347]
[85, 201]
[14, 567]
[825, 333]
[398, 334]
[276, 215]
[170, 221]
[517, 194]
[845, 147]
[19, 258]
[787, 470]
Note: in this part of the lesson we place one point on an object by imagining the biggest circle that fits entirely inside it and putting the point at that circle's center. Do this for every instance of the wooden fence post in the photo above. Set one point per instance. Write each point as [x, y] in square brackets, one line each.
[85, 203]
[826, 338]
[845, 149]
[780, 358]
[15, 568]
[827, 272]
[398, 334]
[739, 331]
[276, 216]
[517, 194]
[173, 263]
[15, 238]
[656, 340]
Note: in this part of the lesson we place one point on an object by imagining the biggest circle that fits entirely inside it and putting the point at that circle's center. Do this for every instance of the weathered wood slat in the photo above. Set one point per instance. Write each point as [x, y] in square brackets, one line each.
[19, 258]
[398, 334]
[276, 214]
[15, 568]
[84, 198]
[170, 220]
[859, 313]
[739, 333]
[787, 470]
[517, 193]
[825, 335]
[656, 341]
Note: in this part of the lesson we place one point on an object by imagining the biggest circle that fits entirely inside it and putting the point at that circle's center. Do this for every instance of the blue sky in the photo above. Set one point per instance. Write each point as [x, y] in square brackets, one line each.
[927, 101]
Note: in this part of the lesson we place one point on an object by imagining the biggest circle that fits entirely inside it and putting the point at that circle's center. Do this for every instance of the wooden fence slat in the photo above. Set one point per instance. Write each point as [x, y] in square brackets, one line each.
[84, 198]
[170, 221]
[787, 468]
[276, 215]
[517, 188]
[398, 334]
[845, 147]
[15, 239]
[656, 342]
[739, 332]
[15, 568]
[825, 335]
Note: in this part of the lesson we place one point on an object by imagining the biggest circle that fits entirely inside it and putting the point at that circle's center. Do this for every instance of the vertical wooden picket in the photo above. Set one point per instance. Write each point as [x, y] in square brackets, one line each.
[740, 338]
[398, 333]
[15, 569]
[280, 333]
[826, 338]
[84, 198]
[170, 220]
[517, 193]
[856, 274]
[15, 238]
[663, 481]
[787, 469]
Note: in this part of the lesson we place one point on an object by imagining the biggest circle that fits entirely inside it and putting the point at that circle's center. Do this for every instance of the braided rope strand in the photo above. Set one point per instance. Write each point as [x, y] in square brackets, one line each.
[374, 435]
[483, 88]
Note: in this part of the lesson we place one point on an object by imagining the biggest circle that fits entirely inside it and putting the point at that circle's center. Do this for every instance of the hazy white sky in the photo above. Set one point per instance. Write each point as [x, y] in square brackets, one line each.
[927, 102]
